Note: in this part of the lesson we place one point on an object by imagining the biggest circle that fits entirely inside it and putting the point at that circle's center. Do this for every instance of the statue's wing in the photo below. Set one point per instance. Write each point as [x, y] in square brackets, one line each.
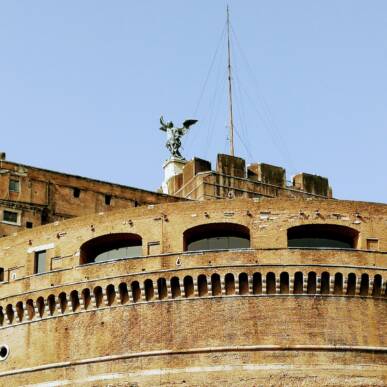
[188, 123]
[163, 125]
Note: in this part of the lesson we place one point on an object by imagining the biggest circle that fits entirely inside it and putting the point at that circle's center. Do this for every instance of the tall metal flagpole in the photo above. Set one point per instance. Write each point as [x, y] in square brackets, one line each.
[229, 86]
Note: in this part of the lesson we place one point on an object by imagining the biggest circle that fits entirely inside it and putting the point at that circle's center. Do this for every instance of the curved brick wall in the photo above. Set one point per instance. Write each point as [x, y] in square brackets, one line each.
[264, 315]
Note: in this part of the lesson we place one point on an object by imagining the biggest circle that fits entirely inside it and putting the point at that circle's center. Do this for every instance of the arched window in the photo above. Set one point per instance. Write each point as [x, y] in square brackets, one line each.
[30, 309]
[257, 283]
[270, 283]
[202, 285]
[111, 246]
[98, 295]
[20, 311]
[40, 306]
[188, 286]
[284, 283]
[325, 282]
[216, 236]
[322, 236]
[10, 313]
[149, 290]
[243, 283]
[51, 304]
[312, 283]
[298, 283]
[86, 298]
[215, 285]
[338, 286]
[110, 294]
[162, 288]
[229, 282]
[175, 287]
[74, 298]
[364, 284]
[377, 288]
[351, 285]
[124, 294]
[136, 291]
[62, 302]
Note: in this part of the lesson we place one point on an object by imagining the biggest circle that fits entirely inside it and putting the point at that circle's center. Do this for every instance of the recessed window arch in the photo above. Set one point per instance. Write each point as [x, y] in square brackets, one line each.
[111, 246]
[217, 236]
[322, 236]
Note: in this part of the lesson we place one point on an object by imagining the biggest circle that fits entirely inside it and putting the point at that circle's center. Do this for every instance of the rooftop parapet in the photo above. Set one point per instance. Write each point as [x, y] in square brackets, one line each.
[195, 180]
[313, 184]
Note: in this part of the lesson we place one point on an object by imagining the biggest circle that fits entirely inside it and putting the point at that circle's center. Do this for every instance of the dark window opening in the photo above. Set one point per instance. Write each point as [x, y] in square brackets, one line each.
[29, 224]
[364, 285]
[338, 286]
[162, 288]
[298, 283]
[243, 283]
[45, 216]
[98, 295]
[257, 283]
[3, 352]
[62, 302]
[188, 286]
[377, 288]
[322, 236]
[351, 285]
[40, 262]
[149, 290]
[74, 297]
[1, 274]
[175, 287]
[136, 291]
[108, 199]
[110, 247]
[10, 216]
[311, 287]
[284, 283]
[217, 236]
[86, 298]
[30, 309]
[325, 282]
[229, 282]
[202, 285]
[123, 291]
[51, 304]
[110, 294]
[270, 283]
[40, 306]
[215, 285]
[20, 311]
[14, 185]
[76, 192]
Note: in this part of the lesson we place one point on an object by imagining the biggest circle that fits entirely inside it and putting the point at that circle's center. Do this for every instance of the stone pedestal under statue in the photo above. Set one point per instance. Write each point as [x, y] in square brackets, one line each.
[172, 167]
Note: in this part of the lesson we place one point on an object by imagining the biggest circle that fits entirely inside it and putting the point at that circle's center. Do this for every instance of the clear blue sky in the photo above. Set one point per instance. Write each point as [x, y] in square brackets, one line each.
[83, 84]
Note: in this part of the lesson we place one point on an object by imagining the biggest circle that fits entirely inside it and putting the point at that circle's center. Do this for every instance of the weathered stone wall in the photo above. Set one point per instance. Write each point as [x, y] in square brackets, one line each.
[47, 196]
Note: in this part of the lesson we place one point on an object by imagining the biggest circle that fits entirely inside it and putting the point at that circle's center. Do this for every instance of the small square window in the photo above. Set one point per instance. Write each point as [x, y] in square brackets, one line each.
[108, 199]
[14, 185]
[29, 224]
[372, 244]
[10, 216]
[77, 192]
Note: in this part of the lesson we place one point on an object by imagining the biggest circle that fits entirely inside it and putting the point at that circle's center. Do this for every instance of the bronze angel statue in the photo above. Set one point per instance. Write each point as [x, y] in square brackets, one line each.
[174, 135]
